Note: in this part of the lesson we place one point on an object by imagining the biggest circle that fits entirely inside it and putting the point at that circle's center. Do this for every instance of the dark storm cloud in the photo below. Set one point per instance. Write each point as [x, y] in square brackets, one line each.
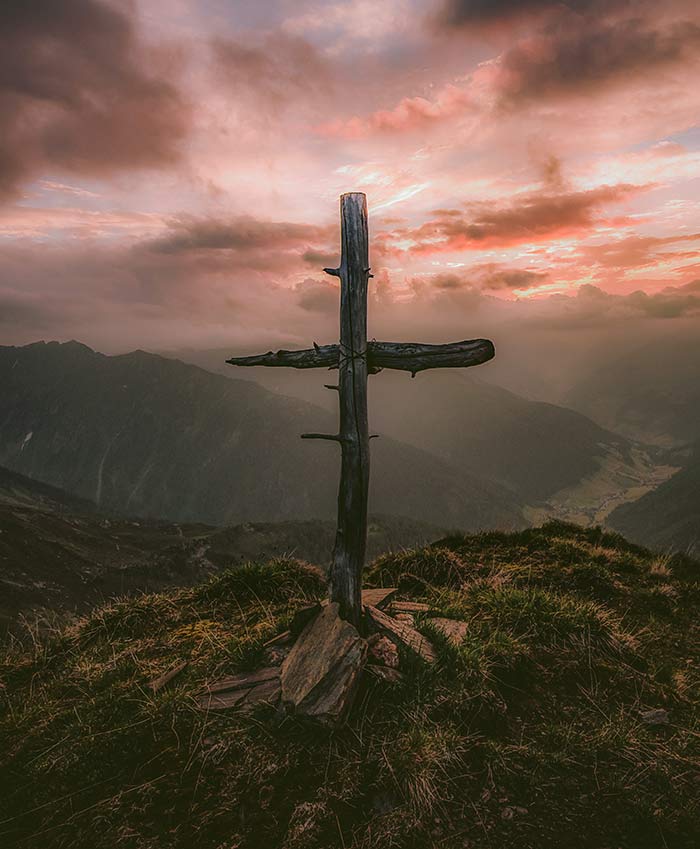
[79, 93]
[243, 235]
[488, 277]
[578, 56]
[494, 279]
[462, 13]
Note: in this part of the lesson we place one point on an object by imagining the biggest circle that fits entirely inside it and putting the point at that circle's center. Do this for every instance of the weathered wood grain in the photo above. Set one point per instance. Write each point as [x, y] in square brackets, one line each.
[408, 607]
[415, 356]
[355, 358]
[351, 534]
[379, 596]
[320, 675]
[242, 691]
[317, 357]
[403, 356]
[245, 680]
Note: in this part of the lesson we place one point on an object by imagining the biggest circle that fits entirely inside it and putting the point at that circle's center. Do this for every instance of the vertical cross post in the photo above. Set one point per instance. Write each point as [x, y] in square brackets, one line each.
[355, 358]
[351, 535]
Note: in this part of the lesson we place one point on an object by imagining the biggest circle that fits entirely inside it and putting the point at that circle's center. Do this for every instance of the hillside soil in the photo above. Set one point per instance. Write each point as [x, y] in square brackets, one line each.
[567, 716]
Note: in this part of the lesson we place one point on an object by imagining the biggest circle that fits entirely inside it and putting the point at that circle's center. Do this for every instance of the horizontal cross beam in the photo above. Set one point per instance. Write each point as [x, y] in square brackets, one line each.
[404, 356]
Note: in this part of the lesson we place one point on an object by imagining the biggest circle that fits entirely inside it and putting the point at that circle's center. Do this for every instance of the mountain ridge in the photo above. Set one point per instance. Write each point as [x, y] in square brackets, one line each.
[141, 434]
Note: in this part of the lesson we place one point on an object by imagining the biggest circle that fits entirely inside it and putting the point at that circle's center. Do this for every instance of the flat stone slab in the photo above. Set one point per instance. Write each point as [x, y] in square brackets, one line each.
[303, 616]
[243, 691]
[454, 630]
[320, 675]
[402, 633]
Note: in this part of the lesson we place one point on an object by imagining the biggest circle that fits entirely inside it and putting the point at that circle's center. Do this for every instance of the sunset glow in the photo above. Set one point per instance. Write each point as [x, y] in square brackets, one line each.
[174, 167]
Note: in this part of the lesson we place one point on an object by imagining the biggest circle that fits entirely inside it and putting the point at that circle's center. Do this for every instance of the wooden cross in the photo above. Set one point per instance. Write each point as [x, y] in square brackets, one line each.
[355, 358]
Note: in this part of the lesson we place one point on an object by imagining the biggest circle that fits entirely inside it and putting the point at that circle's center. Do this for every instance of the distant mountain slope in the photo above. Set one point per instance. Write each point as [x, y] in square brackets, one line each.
[651, 392]
[143, 435]
[57, 553]
[21, 491]
[668, 517]
[535, 449]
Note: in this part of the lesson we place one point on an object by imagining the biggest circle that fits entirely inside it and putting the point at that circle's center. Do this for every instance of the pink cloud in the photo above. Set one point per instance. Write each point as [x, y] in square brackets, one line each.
[409, 115]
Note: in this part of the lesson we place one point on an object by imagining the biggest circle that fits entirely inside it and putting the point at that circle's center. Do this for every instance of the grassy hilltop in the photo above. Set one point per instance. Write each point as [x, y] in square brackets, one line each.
[535, 732]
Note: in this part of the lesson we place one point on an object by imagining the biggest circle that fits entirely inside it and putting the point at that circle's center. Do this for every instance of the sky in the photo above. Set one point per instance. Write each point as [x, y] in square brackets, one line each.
[170, 169]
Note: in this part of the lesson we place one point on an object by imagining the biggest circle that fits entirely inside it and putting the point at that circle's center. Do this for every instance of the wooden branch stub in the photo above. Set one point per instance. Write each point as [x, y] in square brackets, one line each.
[402, 356]
[334, 272]
[318, 357]
[164, 679]
[332, 437]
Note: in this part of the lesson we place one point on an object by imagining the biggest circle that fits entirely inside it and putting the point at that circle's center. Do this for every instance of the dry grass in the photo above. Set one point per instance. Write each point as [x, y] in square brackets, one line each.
[529, 733]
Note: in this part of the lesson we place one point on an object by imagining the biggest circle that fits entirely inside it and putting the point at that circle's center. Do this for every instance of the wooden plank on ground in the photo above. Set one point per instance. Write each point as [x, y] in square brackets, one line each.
[279, 639]
[320, 675]
[244, 681]
[402, 633]
[378, 597]
[408, 607]
[222, 701]
[164, 679]
[248, 690]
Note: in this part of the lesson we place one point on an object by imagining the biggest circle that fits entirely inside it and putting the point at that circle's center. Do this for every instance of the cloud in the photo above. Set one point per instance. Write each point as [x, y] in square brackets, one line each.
[588, 46]
[577, 60]
[318, 296]
[411, 114]
[466, 13]
[81, 94]
[488, 277]
[531, 217]
[241, 233]
[280, 70]
[637, 251]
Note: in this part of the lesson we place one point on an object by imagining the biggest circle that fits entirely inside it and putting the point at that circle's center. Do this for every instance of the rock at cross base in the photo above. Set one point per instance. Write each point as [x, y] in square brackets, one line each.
[382, 651]
[320, 675]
